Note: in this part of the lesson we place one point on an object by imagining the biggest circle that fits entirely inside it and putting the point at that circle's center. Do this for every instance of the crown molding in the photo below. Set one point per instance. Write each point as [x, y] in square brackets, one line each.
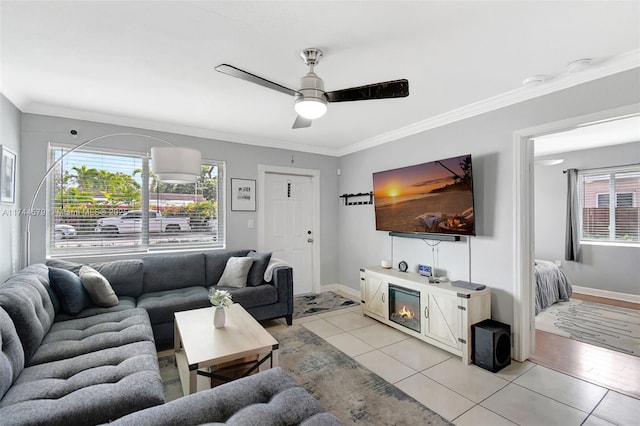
[174, 128]
[596, 70]
[614, 65]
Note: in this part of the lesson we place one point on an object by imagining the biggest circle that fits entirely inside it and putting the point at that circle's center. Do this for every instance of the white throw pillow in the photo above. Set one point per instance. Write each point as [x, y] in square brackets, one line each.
[236, 272]
[98, 287]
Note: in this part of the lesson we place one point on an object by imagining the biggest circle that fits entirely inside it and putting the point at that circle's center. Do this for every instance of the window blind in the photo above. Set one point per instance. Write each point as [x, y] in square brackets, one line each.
[609, 205]
[105, 202]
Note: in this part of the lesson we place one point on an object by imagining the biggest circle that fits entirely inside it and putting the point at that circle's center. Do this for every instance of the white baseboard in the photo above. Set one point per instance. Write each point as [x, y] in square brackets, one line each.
[355, 294]
[607, 294]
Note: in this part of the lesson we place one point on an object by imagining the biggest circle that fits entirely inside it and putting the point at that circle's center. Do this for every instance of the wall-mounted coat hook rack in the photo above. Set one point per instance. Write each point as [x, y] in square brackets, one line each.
[358, 195]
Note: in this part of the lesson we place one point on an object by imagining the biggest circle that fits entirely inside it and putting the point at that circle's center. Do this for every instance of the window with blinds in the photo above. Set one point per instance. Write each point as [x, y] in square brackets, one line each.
[102, 202]
[609, 204]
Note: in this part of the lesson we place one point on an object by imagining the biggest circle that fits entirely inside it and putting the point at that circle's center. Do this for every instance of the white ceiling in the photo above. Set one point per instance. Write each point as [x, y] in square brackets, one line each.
[150, 64]
[614, 132]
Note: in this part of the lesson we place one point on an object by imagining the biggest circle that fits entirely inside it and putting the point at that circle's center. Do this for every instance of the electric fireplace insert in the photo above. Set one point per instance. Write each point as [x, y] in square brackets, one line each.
[404, 307]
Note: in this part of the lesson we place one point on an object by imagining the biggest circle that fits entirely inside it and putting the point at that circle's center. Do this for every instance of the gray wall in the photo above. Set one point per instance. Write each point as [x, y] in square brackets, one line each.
[242, 162]
[9, 218]
[489, 138]
[602, 267]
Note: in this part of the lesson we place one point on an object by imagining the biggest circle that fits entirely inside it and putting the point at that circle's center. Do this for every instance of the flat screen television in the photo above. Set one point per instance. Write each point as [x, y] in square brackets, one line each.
[431, 198]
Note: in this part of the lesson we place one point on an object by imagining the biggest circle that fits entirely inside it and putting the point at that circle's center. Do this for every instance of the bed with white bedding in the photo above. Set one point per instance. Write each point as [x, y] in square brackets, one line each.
[552, 285]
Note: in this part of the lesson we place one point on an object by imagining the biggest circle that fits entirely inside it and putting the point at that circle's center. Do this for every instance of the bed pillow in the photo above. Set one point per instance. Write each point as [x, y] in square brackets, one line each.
[258, 268]
[236, 272]
[68, 287]
[98, 287]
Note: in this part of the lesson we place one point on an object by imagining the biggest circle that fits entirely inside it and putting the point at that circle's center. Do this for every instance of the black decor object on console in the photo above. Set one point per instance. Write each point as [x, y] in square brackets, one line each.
[491, 345]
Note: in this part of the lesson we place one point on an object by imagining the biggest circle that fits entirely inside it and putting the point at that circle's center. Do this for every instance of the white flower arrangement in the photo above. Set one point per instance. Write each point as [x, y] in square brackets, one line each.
[220, 298]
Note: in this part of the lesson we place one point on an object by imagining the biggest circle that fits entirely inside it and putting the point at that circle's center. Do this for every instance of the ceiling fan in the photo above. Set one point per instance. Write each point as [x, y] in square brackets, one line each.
[311, 99]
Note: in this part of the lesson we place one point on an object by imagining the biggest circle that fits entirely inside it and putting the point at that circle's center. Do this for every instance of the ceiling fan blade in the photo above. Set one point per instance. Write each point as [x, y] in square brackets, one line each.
[384, 90]
[238, 73]
[301, 123]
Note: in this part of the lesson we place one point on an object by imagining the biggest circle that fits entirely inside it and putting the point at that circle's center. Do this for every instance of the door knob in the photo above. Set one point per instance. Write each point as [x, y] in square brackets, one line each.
[309, 240]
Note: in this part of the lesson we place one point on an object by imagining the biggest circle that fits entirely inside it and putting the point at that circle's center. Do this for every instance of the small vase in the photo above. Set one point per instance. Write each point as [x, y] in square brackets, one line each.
[218, 317]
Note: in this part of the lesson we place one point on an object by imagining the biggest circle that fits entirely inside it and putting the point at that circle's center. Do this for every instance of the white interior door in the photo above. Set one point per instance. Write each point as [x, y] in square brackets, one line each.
[289, 201]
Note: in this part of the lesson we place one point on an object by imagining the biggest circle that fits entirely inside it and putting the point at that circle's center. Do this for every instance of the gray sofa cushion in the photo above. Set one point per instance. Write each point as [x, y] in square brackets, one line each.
[161, 305]
[72, 295]
[64, 264]
[249, 297]
[259, 266]
[125, 276]
[289, 407]
[172, 272]
[26, 299]
[75, 337]
[222, 402]
[11, 355]
[123, 303]
[86, 389]
[215, 263]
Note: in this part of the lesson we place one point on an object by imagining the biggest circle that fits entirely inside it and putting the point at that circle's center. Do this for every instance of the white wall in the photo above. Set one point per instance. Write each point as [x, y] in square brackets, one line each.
[9, 217]
[241, 160]
[602, 267]
[489, 138]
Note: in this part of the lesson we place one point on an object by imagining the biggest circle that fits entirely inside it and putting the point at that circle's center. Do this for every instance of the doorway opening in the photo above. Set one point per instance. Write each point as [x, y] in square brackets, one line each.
[524, 218]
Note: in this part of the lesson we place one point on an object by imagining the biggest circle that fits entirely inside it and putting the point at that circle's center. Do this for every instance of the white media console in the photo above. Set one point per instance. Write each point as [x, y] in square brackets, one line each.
[440, 314]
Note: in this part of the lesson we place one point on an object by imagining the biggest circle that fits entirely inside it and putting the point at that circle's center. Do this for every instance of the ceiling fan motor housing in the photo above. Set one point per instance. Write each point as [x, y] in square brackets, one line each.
[311, 101]
[312, 86]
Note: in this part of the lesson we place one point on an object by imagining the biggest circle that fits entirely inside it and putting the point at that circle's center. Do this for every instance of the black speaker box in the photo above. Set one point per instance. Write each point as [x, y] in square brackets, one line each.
[491, 345]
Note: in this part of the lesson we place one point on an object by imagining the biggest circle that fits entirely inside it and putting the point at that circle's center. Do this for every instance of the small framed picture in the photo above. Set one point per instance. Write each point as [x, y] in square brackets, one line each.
[8, 176]
[243, 195]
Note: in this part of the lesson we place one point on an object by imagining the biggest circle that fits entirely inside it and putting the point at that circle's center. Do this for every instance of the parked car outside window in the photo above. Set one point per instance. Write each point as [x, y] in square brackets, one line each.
[62, 231]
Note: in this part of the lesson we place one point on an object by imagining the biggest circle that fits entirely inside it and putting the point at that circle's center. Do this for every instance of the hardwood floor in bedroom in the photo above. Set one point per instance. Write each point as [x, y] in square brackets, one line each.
[603, 367]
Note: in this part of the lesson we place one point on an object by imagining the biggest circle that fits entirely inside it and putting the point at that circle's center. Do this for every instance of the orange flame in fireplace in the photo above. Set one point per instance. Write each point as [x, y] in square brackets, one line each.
[406, 313]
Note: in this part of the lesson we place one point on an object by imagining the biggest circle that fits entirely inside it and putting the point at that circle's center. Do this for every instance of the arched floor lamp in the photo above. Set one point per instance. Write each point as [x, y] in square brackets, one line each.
[170, 164]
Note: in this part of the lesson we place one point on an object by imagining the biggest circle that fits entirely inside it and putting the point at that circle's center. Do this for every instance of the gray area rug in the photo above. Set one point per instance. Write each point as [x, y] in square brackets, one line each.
[602, 325]
[345, 388]
[170, 378]
[312, 304]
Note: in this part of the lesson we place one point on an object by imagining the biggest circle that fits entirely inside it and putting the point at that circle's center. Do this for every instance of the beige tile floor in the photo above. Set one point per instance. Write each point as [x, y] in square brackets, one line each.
[520, 394]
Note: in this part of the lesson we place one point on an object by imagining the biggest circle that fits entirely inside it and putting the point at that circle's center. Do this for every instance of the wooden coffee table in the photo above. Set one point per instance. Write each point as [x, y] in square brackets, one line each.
[206, 346]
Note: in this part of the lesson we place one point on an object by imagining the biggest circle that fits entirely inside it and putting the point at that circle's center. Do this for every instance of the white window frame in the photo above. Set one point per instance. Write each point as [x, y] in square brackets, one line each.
[143, 246]
[609, 174]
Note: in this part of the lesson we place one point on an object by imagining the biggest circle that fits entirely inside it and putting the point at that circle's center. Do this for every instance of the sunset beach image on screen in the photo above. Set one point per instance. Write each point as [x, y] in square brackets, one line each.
[434, 197]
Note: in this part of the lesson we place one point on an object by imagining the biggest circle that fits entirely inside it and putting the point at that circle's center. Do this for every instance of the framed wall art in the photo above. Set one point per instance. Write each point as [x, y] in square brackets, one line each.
[7, 176]
[243, 195]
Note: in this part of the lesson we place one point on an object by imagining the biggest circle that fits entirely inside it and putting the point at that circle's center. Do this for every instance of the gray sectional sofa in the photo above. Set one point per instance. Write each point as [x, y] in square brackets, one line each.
[100, 364]
[80, 371]
[163, 285]
[269, 398]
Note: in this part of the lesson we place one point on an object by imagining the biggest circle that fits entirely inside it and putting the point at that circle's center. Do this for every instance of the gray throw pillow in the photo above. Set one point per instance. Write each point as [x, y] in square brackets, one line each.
[72, 295]
[260, 263]
[98, 287]
[236, 272]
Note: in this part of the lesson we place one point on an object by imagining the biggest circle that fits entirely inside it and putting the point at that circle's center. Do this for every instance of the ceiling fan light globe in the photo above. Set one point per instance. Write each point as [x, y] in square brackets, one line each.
[311, 108]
